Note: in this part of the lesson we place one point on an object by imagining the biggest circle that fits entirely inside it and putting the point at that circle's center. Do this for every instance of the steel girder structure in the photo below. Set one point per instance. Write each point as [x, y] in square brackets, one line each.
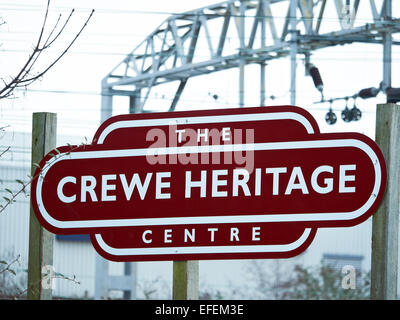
[170, 54]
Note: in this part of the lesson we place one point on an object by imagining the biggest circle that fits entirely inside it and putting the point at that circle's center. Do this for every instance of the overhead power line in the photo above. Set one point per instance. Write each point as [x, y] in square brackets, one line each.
[194, 13]
[168, 53]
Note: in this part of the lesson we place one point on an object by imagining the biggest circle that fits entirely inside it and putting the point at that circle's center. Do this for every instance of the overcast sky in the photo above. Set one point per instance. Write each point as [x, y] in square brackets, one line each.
[72, 87]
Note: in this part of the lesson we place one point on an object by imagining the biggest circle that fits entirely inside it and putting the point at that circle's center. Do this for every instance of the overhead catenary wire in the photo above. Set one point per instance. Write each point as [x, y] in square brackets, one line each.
[108, 53]
[30, 7]
[220, 101]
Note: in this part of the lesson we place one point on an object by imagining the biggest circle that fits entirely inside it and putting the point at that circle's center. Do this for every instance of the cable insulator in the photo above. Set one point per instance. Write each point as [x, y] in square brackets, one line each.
[393, 95]
[368, 93]
[316, 76]
[347, 115]
[355, 114]
[330, 117]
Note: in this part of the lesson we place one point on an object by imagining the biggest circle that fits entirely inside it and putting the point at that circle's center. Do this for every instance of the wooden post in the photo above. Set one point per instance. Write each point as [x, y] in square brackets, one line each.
[385, 222]
[185, 280]
[44, 126]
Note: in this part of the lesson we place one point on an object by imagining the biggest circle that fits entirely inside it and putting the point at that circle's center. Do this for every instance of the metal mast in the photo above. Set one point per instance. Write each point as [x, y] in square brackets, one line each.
[169, 53]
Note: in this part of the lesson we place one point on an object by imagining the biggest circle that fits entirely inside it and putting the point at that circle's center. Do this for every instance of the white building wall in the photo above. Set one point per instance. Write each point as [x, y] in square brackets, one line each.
[74, 260]
[14, 221]
[342, 241]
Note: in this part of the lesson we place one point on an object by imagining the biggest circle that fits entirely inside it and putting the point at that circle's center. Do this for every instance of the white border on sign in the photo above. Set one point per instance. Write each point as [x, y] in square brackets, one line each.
[205, 119]
[278, 248]
[297, 217]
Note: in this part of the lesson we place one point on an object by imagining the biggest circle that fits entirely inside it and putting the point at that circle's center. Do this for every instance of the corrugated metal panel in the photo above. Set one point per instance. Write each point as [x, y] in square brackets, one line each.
[70, 258]
[74, 259]
[14, 220]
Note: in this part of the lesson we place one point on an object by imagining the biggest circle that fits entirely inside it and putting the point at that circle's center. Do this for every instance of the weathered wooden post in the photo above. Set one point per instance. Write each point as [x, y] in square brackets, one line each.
[185, 284]
[385, 222]
[44, 128]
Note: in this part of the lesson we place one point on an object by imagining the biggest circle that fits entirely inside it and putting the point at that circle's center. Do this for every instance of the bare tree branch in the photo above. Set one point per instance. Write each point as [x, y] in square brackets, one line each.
[8, 265]
[4, 151]
[25, 77]
[24, 185]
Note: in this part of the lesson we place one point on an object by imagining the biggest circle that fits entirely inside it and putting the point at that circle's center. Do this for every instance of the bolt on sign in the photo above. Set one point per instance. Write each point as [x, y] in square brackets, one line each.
[216, 184]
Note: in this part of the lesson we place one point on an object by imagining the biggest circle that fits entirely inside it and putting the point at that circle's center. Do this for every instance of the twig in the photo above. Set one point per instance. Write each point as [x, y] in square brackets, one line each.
[57, 276]
[24, 76]
[8, 266]
[4, 151]
[26, 184]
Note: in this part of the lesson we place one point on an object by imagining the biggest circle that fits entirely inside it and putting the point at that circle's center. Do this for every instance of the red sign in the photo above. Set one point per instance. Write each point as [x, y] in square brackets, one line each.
[216, 184]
